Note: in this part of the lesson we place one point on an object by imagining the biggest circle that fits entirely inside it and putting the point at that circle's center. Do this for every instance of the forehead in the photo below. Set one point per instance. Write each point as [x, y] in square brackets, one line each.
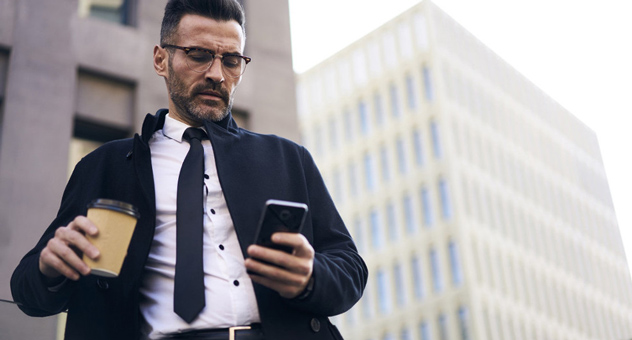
[200, 31]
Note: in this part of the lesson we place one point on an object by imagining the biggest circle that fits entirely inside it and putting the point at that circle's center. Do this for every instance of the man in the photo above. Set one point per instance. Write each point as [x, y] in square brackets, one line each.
[275, 294]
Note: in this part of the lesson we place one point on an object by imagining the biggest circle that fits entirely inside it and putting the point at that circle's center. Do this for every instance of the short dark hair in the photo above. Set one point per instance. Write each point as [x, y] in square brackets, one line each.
[221, 10]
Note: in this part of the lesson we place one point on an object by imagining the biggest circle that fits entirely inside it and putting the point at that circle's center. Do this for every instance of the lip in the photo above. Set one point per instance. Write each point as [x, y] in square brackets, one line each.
[211, 95]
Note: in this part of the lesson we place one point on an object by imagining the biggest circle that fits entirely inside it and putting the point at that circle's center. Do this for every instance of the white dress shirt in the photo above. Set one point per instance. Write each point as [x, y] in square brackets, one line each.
[230, 297]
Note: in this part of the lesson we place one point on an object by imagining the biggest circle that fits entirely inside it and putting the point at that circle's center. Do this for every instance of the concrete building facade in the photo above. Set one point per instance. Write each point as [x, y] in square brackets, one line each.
[76, 73]
[480, 204]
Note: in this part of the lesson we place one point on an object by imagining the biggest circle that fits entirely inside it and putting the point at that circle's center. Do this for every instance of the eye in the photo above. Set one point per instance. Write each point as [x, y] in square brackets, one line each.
[199, 56]
[231, 61]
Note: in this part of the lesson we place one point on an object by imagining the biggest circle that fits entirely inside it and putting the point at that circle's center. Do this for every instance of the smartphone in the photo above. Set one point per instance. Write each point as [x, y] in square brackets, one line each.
[280, 216]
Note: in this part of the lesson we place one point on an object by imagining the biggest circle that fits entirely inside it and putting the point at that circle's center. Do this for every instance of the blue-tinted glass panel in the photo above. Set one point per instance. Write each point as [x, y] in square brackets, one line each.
[383, 292]
[428, 84]
[369, 172]
[392, 222]
[365, 123]
[424, 330]
[351, 173]
[419, 150]
[411, 92]
[446, 206]
[406, 334]
[379, 110]
[400, 284]
[420, 290]
[455, 264]
[395, 109]
[401, 156]
[436, 271]
[333, 133]
[409, 214]
[436, 141]
[427, 207]
[385, 164]
[443, 327]
[348, 121]
[465, 333]
[376, 230]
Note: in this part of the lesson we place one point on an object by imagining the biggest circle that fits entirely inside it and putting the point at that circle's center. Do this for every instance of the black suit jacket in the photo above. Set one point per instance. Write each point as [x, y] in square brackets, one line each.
[252, 168]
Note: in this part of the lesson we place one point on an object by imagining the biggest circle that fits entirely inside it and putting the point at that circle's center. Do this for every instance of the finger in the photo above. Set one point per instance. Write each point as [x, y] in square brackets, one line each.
[84, 225]
[298, 242]
[50, 265]
[75, 238]
[286, 291]
[63, 252]
[277, 273]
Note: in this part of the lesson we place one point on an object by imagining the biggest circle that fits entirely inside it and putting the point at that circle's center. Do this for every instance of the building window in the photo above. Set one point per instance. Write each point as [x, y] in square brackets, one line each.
[395, 109]
[424, 330]
[385, 164]
[436, 271]
[427, 207]
[333, 133]
[379, 110]
[400, 284]
[383, 292]
[388, 336]
[409, 214]
[353, 185]
[358, 235]
[401, 156]
[118, 11]
[420, 290]
[446, 207]
[348, 121]
[443, 327]
[455, 264]
[393, 232]
[406, 334]
[465, 333]
[436, 141]
[365, 123]
[376, 229]
[428, 84]
[369, 172]
[368, 303]
[411, 92]
[418, 145]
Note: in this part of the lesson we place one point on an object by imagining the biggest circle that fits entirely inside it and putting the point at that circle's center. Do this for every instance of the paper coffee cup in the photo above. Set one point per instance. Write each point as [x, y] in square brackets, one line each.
[116, 222]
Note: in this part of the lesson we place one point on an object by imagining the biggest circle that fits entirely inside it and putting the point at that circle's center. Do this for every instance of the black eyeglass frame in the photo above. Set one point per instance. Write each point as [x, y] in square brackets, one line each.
[213, 56]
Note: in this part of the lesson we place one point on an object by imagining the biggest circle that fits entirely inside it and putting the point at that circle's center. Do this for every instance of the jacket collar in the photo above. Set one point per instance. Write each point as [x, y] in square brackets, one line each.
[155, 122]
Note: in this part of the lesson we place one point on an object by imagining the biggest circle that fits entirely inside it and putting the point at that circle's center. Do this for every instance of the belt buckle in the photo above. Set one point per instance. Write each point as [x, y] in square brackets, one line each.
[231, 331]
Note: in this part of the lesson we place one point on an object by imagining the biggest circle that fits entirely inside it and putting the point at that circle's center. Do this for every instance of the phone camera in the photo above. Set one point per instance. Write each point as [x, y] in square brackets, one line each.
[285, 215]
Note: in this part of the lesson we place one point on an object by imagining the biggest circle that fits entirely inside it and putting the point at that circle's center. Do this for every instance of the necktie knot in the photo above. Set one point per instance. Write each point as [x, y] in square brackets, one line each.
[194, 133]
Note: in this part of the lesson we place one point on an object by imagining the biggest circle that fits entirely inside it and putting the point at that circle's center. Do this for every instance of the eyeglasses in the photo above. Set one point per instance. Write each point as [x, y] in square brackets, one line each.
[200, 60]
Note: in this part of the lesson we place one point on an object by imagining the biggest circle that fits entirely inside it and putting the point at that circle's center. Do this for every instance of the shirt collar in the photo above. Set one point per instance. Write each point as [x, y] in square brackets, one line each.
[174, 129]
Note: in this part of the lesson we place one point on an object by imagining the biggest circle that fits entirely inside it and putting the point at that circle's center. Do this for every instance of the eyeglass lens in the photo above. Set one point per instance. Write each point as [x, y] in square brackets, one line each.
[200, 61]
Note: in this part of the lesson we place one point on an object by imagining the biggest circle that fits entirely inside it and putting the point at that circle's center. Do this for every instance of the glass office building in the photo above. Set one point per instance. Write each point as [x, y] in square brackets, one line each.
[481, 205]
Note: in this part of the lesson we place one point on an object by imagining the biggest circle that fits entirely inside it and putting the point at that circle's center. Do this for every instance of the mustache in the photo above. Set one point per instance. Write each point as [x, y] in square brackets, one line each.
[216, 88]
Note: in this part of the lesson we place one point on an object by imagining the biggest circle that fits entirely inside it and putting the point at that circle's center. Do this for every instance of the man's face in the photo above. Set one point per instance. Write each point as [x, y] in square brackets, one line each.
[193, 96]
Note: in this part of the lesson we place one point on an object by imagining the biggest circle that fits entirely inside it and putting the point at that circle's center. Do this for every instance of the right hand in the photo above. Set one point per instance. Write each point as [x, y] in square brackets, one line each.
[63, 253]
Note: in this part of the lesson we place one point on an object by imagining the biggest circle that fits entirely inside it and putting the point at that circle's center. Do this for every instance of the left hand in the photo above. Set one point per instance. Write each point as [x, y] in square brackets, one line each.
[290, 273]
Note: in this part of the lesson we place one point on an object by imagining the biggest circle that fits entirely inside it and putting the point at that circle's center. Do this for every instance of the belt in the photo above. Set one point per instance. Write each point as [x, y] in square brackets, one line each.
[252, 332]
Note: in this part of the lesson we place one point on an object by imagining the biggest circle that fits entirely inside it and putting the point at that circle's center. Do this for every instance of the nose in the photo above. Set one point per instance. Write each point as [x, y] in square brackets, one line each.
[214, 73]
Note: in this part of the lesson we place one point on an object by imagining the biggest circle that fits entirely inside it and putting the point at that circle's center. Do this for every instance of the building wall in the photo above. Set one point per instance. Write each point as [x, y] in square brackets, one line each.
[68, 81]
[481, 205]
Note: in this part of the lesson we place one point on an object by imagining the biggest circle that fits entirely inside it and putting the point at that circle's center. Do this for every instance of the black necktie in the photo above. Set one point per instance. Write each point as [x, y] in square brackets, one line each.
[188, 297]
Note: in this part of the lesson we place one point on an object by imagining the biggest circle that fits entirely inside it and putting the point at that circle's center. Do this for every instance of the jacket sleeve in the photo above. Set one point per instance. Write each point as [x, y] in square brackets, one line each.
[29, 287]
[340, 274]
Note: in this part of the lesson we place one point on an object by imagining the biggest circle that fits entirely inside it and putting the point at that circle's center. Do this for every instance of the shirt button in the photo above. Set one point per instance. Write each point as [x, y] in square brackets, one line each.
[206, 176]
[236, 283]
[213, 211]
[221, 246]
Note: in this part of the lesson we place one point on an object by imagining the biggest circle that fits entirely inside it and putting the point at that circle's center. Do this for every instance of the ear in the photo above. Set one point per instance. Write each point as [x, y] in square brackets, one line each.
[161, 61]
